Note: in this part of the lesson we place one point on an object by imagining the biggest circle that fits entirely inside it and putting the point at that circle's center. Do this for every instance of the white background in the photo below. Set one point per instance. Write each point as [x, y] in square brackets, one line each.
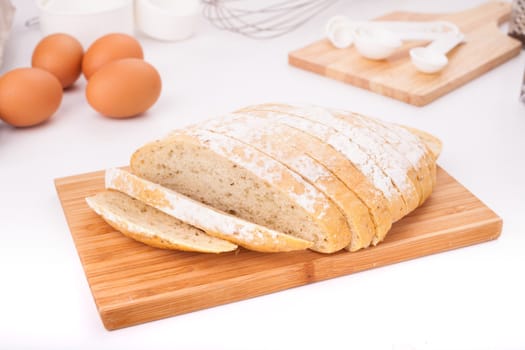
[471, 298]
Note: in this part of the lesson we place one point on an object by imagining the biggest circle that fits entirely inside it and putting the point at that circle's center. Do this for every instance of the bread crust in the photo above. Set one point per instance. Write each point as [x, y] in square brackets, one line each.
[433, 144]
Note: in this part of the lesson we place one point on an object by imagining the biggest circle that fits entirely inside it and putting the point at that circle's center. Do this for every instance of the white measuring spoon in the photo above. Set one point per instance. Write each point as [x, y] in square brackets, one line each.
[432, 58]
[342, 32]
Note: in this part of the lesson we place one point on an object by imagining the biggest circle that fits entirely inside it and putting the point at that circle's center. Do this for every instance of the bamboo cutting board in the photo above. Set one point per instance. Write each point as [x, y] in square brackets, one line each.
[133, 283]
[486, 48]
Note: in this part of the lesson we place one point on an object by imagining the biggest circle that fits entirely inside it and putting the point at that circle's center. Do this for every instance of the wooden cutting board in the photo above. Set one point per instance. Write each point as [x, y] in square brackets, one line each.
[133, 283]
[486, 48]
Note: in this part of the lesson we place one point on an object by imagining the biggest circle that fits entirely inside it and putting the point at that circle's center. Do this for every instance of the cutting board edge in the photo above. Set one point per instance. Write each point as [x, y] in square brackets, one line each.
[300, 63]
[162, 305]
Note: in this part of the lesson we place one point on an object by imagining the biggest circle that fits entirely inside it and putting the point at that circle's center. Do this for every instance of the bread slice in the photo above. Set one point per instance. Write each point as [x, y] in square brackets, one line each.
[152, 227]
[370, 156]
[225, 174]
[284, 144]
[210, 220]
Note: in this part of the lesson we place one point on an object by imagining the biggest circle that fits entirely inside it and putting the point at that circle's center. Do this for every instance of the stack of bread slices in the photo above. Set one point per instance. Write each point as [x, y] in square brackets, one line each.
[272, 178]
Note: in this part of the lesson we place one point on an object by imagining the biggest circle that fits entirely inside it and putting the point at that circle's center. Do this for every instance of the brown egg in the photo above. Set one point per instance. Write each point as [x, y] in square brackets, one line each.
[124, 88]
[61, 55]
[110, 47]
[28, 96]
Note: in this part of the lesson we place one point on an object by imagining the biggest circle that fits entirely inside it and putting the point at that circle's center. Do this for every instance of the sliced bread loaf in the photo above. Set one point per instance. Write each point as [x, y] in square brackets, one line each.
[272, 178]
[210, 220]
[150, 226]
[285, 145]
[227, 175]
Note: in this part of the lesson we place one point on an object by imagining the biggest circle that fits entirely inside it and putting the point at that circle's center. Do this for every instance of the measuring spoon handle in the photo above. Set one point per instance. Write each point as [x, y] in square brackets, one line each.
[446, 43]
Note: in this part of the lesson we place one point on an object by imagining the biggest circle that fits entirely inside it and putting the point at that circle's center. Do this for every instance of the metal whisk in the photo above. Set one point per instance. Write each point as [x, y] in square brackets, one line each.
[264, 22]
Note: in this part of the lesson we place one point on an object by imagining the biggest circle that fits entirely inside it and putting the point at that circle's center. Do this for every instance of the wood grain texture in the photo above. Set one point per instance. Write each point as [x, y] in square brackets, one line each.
[396, 77]
[133, 283]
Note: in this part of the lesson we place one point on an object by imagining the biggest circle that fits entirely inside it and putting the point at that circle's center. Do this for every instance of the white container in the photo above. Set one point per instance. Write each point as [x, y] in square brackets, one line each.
[169, 20]
[86, 20]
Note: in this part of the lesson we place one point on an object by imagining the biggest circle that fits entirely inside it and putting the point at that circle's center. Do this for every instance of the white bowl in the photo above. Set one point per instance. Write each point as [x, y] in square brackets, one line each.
[169, 20]
[86, 20]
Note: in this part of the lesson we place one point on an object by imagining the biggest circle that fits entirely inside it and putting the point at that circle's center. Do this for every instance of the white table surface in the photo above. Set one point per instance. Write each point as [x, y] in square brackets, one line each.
[470, 298]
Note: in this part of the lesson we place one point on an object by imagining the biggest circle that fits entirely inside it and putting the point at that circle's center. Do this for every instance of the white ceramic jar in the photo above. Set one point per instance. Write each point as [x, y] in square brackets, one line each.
[86, 20]
[169, 20]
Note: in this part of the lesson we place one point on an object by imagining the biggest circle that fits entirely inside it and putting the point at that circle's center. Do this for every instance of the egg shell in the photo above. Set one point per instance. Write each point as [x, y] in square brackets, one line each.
[61, 55]
[108, 48]
[28, 96]
[124, 88]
